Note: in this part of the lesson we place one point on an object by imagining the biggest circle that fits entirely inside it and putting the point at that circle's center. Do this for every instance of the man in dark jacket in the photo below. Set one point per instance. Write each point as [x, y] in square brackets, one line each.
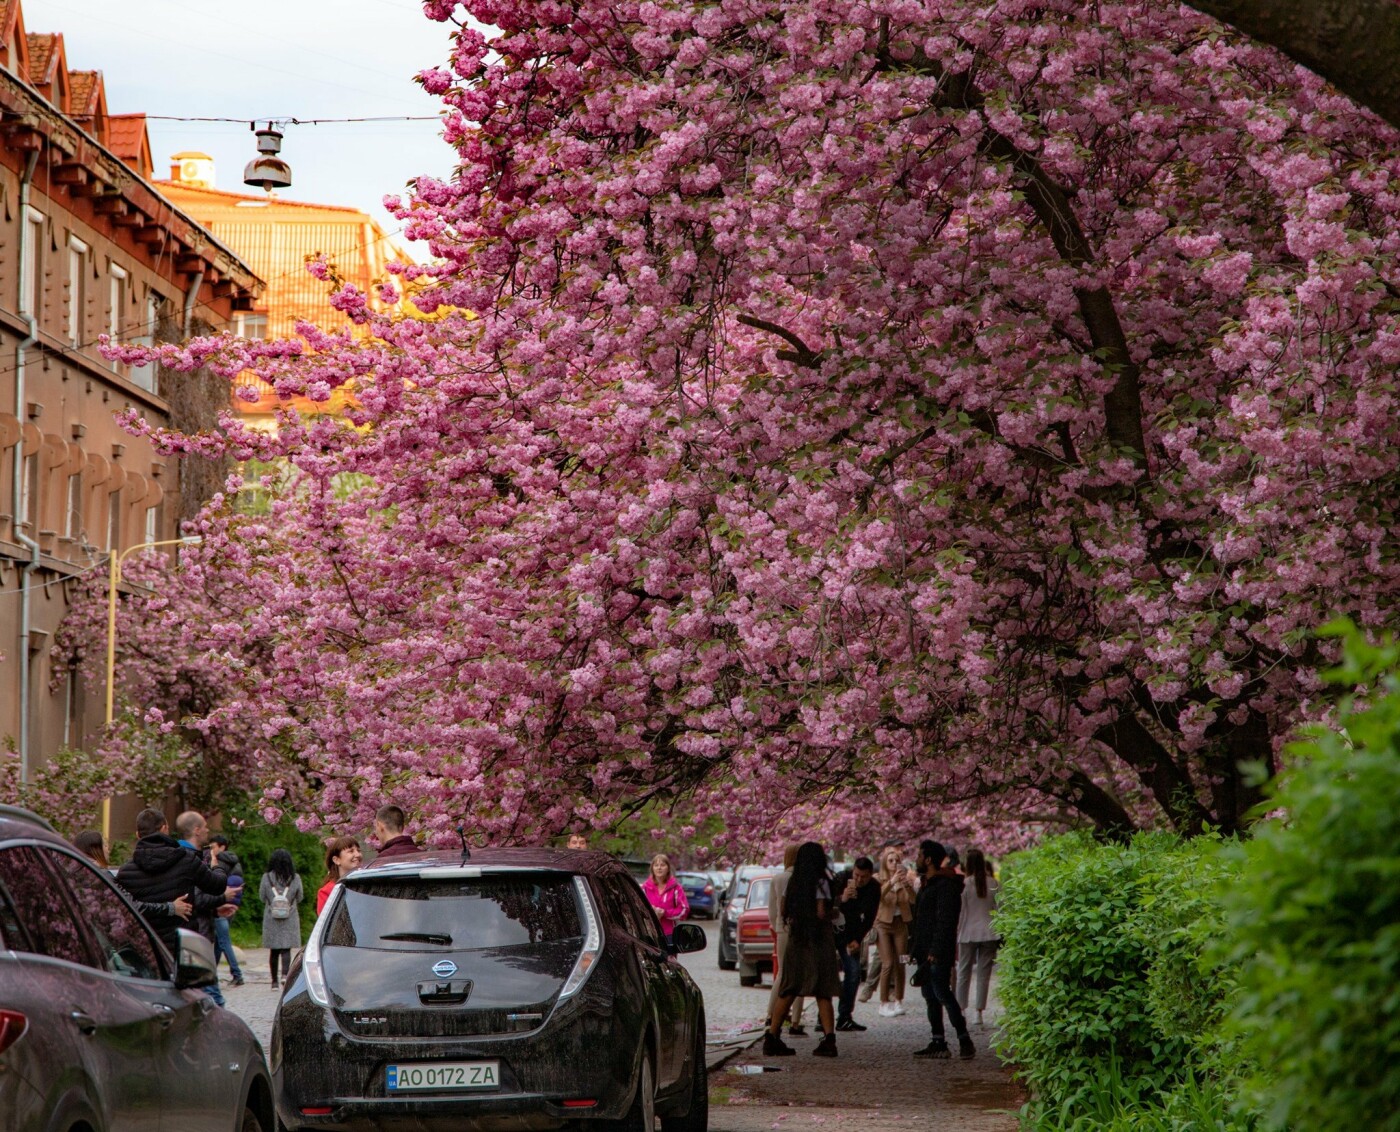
[933, 945]
[220, 856]
[858, 898]
[388, 831]
[162, 869]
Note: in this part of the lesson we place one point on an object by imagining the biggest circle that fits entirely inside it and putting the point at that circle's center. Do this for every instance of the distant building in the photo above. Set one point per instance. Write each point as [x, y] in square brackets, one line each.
[276, 237]
[88, 246]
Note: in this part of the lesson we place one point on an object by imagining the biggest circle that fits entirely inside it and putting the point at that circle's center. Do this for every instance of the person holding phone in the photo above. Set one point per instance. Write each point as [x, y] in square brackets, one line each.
[892, 922]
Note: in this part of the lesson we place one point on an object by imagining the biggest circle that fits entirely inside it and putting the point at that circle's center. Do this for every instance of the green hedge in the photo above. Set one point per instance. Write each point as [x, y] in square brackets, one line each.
[1104, 968]
[1315, 918]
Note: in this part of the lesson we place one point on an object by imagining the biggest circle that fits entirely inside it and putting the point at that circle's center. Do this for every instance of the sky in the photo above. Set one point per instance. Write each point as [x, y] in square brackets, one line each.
[256, 59]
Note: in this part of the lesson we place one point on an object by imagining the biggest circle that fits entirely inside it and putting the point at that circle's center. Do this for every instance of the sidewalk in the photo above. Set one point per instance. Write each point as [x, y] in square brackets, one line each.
[874, 1085]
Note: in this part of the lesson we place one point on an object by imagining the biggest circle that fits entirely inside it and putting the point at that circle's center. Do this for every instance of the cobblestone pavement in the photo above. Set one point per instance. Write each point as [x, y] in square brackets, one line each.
[875, 1085]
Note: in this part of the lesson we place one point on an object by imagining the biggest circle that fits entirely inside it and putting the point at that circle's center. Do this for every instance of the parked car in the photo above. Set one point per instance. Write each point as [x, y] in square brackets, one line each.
[99, 1027]
[732, 902]
[523, 988]
[700, 892]
[754, 935]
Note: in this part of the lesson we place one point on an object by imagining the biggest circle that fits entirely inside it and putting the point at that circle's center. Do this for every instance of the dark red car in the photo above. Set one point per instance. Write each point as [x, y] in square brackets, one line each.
[754, 934]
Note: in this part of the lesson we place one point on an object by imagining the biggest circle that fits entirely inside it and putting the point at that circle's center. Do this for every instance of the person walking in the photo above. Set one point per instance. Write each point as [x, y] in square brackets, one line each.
[221, 856]
[343, 856]
[892, 922]
[808, 965]
[858, 899]
[933, 945]
[977, 939]
[281, 894]
[666, 897]
[389, 824]
[777, 887]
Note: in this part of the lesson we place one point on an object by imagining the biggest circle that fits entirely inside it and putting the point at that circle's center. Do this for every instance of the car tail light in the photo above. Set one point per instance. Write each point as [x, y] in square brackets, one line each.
[580, 1103]
[12, 1027]
[709, 890]
[311, 958]
[317, 1110]
[592, 942]
[755, 931]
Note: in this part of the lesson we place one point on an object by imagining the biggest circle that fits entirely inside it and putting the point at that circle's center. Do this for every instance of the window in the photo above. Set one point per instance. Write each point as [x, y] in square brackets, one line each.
[116, 306]
[504, 911]
[32, 270]
[48, 920]
[640, 919]
[73, 526]
[29, 490]
[124, 944]
[77, 287]
[114, 520]
[152, 523]
[145, 376]
[253, 326]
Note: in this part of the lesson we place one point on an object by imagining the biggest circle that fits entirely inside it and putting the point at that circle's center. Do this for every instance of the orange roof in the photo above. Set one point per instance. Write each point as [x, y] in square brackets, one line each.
[42, 45]
[127, 138]
[82, 90]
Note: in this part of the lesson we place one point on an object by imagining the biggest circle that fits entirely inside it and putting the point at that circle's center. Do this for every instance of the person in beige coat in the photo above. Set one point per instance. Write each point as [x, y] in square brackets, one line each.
[892, 929]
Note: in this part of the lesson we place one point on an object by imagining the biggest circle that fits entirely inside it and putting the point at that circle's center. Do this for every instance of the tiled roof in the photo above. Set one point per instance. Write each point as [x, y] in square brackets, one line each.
[82, 91]
[41, 52]
[126, 133]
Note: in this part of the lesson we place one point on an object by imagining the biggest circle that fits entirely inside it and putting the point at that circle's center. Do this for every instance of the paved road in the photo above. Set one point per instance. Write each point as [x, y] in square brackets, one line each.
[875, 1085]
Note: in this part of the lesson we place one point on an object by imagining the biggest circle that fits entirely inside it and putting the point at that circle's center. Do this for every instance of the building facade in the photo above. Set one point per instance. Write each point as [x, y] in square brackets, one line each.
[88, 246]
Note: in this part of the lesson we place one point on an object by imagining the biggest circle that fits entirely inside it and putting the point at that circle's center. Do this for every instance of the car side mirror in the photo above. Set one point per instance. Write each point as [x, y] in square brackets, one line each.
[688, 938]
[194, 965]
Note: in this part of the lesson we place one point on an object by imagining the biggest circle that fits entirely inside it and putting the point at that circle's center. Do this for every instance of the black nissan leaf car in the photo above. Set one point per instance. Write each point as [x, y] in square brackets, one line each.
[519, 989]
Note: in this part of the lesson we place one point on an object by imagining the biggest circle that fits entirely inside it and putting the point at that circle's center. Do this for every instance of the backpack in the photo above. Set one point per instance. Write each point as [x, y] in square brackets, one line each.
[281, 906]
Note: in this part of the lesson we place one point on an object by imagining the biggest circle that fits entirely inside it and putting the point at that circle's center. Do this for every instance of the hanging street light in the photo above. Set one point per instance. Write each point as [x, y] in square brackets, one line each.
[267, 170]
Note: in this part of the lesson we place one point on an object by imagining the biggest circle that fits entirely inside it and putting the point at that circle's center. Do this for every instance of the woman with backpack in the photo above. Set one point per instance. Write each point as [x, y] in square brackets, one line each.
[281, 894]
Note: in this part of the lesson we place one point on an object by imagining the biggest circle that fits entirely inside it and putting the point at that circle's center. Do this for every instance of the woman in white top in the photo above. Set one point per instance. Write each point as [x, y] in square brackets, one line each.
[977, 940]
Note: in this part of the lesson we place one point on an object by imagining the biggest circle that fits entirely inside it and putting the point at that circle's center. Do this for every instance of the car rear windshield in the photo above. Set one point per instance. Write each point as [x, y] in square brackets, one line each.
[758, 892]
[413, 914]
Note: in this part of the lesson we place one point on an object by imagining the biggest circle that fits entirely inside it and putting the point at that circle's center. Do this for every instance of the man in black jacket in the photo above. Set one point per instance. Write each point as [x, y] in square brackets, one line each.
[858, 898]
[933, 944]
[162, 869]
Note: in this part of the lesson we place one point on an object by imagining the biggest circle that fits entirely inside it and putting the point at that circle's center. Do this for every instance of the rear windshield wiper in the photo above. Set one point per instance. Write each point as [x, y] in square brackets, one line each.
[419, 937]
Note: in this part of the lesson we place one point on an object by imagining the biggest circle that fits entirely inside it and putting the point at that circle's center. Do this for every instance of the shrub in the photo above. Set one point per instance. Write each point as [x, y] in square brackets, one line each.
[1315, 919]
[1112, 1104]
[1102, 965]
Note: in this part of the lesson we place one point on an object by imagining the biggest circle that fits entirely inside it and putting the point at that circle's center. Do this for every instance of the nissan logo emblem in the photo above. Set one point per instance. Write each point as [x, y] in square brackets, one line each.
[445, 969]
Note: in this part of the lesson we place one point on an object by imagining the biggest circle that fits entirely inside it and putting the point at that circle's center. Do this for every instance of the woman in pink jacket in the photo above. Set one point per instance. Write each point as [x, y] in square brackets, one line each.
[667, 897]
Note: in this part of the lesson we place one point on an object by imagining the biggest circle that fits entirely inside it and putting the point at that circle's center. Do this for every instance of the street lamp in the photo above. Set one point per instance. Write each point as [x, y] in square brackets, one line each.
[114, 579]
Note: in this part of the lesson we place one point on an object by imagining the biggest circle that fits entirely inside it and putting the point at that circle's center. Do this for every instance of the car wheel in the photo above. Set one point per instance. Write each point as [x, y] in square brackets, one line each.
[251, 1123]
[641, 1116]
[697, 1118]
[750, 980]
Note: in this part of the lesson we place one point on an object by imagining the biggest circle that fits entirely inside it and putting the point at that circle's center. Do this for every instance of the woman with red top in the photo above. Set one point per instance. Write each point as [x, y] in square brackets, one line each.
[667, 897]
[342, 856]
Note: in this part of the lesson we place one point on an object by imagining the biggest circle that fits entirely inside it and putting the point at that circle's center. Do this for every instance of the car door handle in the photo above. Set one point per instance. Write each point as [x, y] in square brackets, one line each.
[86, 1023]
[164, 1015]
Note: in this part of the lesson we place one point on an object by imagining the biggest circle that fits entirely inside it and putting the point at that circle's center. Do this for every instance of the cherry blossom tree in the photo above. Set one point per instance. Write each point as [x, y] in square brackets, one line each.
[941, 412]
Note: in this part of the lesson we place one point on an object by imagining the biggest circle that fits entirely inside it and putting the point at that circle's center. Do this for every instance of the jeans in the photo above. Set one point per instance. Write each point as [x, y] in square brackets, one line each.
[850, 983]
[223, 945]
[939, 996]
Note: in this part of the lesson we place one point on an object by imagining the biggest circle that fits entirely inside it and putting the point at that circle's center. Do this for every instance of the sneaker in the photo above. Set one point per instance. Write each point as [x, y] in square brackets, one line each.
[826, 1047]
[850, 1025]
[966, 1049]
[866, 994]
[237, 981]
[898, 1010]
[886, 1010]
[776, 1047]
[938, 1049]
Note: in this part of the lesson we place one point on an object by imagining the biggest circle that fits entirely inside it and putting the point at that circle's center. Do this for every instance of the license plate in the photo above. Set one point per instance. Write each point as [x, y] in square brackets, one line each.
[443, 1075]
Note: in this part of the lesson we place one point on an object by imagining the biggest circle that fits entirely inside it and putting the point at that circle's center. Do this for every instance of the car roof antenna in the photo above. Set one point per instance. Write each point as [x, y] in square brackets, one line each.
[466, 849]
